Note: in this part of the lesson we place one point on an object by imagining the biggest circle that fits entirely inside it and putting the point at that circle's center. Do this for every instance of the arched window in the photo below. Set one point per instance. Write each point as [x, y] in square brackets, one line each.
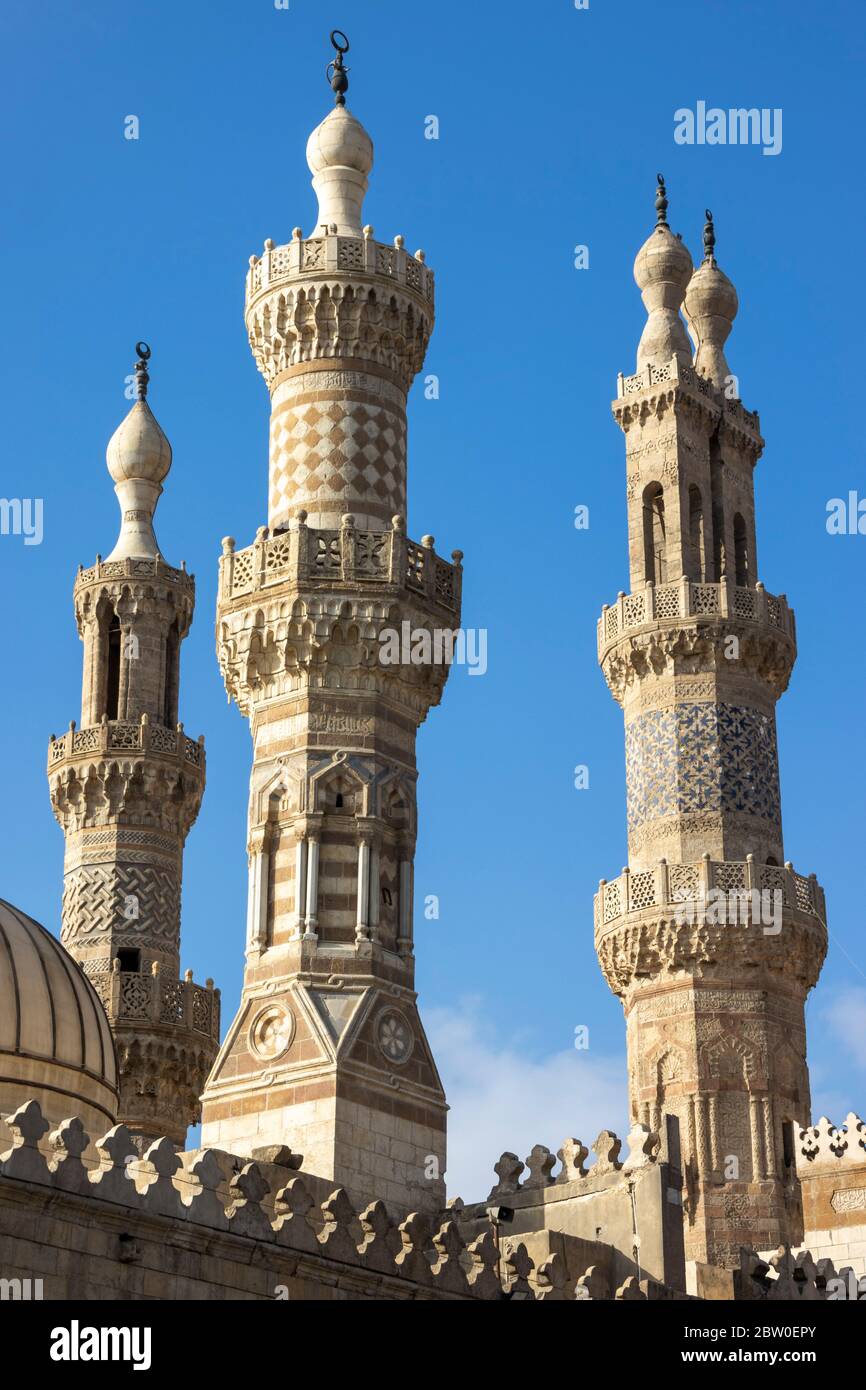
[112, 692]
[130, 959]
[654, 533]
[741, 552]
[696, 533]
[172, 658]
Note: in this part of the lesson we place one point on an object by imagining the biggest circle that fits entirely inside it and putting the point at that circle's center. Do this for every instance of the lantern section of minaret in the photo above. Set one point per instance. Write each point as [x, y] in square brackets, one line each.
[126, 784]
[327, 1053]
[710, 938]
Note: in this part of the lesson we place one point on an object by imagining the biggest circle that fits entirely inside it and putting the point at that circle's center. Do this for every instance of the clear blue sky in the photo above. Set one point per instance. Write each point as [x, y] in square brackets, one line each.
[553, 123]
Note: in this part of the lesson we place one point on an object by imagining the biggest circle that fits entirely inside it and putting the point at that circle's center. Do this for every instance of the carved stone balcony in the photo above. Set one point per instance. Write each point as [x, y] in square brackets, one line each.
[664, 604]
[317, 256]
[680, 374]
[683, 916]
[308, 557]
[115, 737]
[132, 997]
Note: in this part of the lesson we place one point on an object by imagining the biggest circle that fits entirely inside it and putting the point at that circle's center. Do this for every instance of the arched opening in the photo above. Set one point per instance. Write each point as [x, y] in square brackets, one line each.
[696, 534]
[172, 673]
[741, 552]
[771, 859]
[130, 960]
[654, 533]
[112, 689]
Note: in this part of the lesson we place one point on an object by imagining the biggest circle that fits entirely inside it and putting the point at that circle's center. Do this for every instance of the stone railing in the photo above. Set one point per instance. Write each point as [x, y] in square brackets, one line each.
[685, 598]
[134, 995]
[333, 254]
[307, 554]
[132, 569]
[122, 736]
[676, 372]
[669, 885]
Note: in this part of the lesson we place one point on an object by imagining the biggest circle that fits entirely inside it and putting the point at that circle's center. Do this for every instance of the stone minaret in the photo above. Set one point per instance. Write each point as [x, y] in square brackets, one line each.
[709, 937]
[126, 787]
[327, 1053]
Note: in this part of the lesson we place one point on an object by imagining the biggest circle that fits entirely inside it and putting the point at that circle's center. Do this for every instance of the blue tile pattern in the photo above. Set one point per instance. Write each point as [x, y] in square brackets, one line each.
[702, 757]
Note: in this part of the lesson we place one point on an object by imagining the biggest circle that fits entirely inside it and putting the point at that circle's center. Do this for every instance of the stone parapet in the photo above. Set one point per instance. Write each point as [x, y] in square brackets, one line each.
[677, 373]
[305, 555]
[120, 736]
[670, 603]
[671, 885]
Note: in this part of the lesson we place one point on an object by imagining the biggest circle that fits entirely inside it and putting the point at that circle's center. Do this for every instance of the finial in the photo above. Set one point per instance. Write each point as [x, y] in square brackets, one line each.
[661, 202]
[141, 373]
[335, 72]
[709, 239]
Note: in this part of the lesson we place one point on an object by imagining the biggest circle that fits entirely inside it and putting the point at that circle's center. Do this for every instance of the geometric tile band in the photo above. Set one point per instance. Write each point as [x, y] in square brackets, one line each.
[701, 757]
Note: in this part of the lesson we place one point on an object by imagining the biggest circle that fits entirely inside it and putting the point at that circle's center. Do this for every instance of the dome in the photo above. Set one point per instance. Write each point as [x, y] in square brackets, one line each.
[138, 448]
[55, 1043]
[710, 307]
[340, 156]
[340, 140]
[662, 269]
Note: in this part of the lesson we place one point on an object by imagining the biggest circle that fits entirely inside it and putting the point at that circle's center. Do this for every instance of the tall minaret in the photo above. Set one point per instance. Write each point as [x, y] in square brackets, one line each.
[711, 940]
[126, 787]
[327, 1053]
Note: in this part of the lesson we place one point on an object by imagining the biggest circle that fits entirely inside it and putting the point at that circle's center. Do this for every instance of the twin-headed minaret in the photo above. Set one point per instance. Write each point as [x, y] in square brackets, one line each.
[327, 1053]
[126, 787]
[710, 938]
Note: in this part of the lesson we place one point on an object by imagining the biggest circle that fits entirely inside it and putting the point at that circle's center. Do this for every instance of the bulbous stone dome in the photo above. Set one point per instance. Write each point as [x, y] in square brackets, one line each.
[340, 156]
[662, 270]
[340, 139]
[55, 1043]
[138, 448]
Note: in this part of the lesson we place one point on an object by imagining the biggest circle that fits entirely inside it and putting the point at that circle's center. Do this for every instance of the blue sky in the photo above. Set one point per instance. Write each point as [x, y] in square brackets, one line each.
[553, 123]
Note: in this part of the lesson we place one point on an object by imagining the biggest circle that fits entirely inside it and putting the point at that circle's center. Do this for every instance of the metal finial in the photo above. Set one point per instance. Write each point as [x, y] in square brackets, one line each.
[661, 202]
[335, 72]
[709, 239]
[141, 373]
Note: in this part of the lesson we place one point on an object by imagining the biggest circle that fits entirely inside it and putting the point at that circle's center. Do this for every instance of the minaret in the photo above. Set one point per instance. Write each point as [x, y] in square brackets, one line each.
[327, 1053]
[126, 787]
[709, 937]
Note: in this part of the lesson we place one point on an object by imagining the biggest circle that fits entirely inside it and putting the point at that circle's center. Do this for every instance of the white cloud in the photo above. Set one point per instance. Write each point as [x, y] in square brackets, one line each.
[503, 1099]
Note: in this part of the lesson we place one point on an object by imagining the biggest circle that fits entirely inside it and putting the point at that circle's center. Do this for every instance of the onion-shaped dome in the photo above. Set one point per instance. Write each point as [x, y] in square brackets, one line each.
[662, 269]
[711, 306]
[138, 448]
[55, 1043]
[340, 156]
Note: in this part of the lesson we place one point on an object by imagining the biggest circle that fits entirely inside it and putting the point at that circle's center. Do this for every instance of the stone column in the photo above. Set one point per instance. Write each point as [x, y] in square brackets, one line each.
[312, 885]
[362, 928]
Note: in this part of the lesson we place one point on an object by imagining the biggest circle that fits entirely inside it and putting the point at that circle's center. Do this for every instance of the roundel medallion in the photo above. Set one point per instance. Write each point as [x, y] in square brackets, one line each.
[272, 1031]
[394, 1036]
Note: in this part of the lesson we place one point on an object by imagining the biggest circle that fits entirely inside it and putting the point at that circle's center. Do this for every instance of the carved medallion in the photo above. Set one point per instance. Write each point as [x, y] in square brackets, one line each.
[272, 1031]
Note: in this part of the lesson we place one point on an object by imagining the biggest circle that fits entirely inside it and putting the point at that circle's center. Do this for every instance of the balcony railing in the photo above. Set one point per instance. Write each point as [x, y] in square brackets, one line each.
[666, 885]
[150, 998]
[346, 556]
[676, 372]
[684, 599]
[122, 736]
[132, 569]
[278, 265]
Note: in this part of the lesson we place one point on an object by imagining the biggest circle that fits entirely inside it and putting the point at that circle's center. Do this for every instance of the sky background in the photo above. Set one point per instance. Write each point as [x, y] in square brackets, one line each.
[553, 124]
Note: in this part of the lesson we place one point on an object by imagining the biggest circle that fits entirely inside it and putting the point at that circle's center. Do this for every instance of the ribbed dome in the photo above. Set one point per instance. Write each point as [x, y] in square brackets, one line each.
[55, 1042]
